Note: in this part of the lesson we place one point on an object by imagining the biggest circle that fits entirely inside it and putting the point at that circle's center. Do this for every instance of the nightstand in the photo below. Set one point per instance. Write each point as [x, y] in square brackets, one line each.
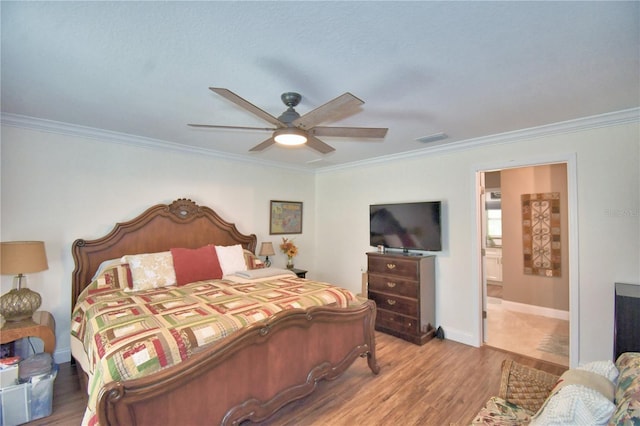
[41, 325]
[301, 273]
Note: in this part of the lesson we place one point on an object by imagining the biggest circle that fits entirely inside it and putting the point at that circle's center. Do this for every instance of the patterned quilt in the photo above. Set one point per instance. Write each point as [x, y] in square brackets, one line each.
[128, 334]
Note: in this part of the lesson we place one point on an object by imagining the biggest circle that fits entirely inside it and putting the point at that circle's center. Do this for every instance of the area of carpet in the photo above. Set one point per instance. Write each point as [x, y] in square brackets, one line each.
[555, 344]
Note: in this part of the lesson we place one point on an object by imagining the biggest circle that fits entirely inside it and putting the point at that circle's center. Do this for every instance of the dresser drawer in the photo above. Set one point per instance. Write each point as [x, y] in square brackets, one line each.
[390, 302]
[405, 268]
[393, 285]
[393, 321]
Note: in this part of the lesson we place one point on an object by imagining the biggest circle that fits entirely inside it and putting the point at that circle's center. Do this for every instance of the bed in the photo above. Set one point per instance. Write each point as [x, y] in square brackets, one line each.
[247, 375]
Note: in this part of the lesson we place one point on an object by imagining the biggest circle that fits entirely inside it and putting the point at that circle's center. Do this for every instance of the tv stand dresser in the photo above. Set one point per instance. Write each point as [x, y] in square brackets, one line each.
[403, 287]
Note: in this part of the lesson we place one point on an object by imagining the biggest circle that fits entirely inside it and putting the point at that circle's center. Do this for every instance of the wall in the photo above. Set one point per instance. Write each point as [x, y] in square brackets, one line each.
[608, 232]
[59, 188]
[549, 292]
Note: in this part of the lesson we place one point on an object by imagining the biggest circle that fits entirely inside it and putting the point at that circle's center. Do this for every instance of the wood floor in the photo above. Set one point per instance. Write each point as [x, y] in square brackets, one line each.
[440, 383]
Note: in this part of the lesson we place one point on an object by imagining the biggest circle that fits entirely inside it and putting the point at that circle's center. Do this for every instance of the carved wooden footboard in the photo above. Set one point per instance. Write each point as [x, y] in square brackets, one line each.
[246, 376]
[253, 374]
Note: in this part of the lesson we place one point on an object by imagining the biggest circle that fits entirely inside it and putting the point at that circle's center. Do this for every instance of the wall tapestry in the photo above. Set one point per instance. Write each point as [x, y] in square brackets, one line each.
[541, 234]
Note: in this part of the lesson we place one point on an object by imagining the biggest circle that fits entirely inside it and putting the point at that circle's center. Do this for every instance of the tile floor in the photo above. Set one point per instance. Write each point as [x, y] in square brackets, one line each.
[522, 333]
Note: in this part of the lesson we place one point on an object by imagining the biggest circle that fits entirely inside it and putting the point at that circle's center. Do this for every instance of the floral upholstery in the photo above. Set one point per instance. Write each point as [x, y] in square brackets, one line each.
[498, 411]
[627, 391]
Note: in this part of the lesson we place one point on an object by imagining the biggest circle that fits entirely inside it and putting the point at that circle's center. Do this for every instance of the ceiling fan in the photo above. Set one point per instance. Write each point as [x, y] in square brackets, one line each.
[293, 129]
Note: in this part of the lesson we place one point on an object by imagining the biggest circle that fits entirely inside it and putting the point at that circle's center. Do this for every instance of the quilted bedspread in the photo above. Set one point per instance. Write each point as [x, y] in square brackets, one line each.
[128, 335]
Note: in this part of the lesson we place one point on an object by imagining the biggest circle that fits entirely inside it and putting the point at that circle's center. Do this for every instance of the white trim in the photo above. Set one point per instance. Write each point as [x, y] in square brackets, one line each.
[631, 115]
[535, 310]
[569, 126]
[570, 159]
[50, 126]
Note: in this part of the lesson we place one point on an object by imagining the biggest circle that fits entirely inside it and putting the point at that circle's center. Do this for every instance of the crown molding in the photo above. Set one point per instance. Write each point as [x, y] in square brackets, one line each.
[631, 115]
[50, 126]
[586, 123]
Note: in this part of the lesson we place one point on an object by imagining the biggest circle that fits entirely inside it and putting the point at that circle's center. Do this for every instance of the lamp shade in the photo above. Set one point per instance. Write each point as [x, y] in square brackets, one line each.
[22, 257]
[19, 258]
[266, 249]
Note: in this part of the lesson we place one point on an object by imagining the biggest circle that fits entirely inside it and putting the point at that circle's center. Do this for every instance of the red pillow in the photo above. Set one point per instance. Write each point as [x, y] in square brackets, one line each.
[193, 265]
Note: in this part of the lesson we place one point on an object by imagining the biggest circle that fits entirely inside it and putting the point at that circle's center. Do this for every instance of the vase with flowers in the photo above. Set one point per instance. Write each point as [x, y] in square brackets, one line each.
[289, 248]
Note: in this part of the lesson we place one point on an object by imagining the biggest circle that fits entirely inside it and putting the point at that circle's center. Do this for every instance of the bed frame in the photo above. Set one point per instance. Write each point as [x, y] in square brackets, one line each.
[253, 372]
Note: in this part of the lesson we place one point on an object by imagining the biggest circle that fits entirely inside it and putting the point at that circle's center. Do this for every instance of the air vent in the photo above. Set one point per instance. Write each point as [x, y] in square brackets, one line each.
[433, 138]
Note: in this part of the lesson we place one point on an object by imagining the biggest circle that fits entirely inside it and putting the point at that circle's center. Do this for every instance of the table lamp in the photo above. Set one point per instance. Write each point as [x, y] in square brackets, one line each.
[19, 258]
[266, 249]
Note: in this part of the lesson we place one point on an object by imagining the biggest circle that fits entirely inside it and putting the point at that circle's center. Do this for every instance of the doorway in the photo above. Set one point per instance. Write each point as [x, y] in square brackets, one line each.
[527, 314]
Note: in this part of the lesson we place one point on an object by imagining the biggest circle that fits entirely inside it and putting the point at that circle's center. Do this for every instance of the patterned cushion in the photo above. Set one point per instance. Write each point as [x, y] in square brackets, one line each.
[628, 390]
[499, 412]
[151, 270]
[252, 261]
[118, 276]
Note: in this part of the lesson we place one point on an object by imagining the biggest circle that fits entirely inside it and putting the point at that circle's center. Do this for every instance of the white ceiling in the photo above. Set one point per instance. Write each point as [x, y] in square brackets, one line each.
[469, 69]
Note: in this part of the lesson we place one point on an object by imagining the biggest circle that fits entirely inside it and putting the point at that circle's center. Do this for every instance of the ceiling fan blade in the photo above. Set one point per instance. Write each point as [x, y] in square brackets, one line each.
[318, 145]
[350, 132]
[215, 126]
[264, 145]
[229, 95]
[332, 110]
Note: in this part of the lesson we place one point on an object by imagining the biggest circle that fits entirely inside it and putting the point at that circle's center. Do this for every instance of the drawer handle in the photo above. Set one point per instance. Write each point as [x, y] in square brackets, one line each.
[391, 284]
[391, 266]
[391, 302]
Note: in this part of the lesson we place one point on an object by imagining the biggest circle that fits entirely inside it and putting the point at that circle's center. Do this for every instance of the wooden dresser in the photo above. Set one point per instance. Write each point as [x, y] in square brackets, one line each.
[403, 287]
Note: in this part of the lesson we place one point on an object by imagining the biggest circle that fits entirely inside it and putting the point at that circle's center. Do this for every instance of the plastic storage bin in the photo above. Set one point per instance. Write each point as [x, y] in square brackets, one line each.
[27, 401]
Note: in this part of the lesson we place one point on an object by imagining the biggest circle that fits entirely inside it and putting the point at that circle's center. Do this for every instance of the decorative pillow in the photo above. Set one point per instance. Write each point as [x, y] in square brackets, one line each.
[231, 259]
[252, 261]
[193, 265]
[107, 264]
[151, 270]
[580, 397]
[603, 368]
[118, 276]
[575, 405]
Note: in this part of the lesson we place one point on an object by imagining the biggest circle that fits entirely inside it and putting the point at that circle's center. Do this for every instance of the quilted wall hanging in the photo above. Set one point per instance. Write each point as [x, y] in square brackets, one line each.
[541, 234]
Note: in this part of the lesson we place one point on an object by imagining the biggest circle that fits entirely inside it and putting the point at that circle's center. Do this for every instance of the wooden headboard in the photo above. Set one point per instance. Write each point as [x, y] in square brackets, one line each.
[164, 226]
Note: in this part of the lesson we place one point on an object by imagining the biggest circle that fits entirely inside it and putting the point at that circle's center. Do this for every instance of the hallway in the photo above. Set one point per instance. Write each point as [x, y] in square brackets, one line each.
[526, 334]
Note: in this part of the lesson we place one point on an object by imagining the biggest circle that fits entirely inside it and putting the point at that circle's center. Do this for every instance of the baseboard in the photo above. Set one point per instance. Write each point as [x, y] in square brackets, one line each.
[536, 310]
[459, 336]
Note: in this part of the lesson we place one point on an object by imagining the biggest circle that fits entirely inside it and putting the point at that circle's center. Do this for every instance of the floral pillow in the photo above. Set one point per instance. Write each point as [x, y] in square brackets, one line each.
[151, 270]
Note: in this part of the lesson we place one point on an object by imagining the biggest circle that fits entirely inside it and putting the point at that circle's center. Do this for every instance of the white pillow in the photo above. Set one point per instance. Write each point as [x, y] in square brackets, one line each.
[603, 368]
[231, 259]
[575, 405]
[151, 270]
[264, 273]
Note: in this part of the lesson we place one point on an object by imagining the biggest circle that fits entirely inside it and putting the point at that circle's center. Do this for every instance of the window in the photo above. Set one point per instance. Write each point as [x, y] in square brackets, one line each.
[494, 227]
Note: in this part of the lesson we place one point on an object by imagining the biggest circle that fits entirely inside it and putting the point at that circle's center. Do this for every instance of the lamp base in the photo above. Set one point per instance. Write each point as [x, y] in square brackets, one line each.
[19, 304]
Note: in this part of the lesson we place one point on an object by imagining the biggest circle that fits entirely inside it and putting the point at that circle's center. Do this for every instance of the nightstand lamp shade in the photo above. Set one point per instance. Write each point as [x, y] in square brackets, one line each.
[266, 249]
[19, 258]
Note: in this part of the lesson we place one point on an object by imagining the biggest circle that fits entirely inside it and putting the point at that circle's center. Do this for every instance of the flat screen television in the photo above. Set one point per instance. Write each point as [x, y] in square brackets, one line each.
[406, 226]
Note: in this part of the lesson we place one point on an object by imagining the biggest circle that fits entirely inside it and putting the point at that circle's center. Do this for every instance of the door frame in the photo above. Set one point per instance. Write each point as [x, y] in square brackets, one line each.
[570, 160]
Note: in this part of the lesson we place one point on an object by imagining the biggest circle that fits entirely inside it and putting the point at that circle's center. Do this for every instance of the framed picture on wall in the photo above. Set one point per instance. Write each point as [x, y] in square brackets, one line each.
[285, 217]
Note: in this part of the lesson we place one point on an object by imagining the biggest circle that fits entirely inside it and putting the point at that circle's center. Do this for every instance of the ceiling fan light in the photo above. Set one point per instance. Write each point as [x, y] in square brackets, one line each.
[290, 136]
